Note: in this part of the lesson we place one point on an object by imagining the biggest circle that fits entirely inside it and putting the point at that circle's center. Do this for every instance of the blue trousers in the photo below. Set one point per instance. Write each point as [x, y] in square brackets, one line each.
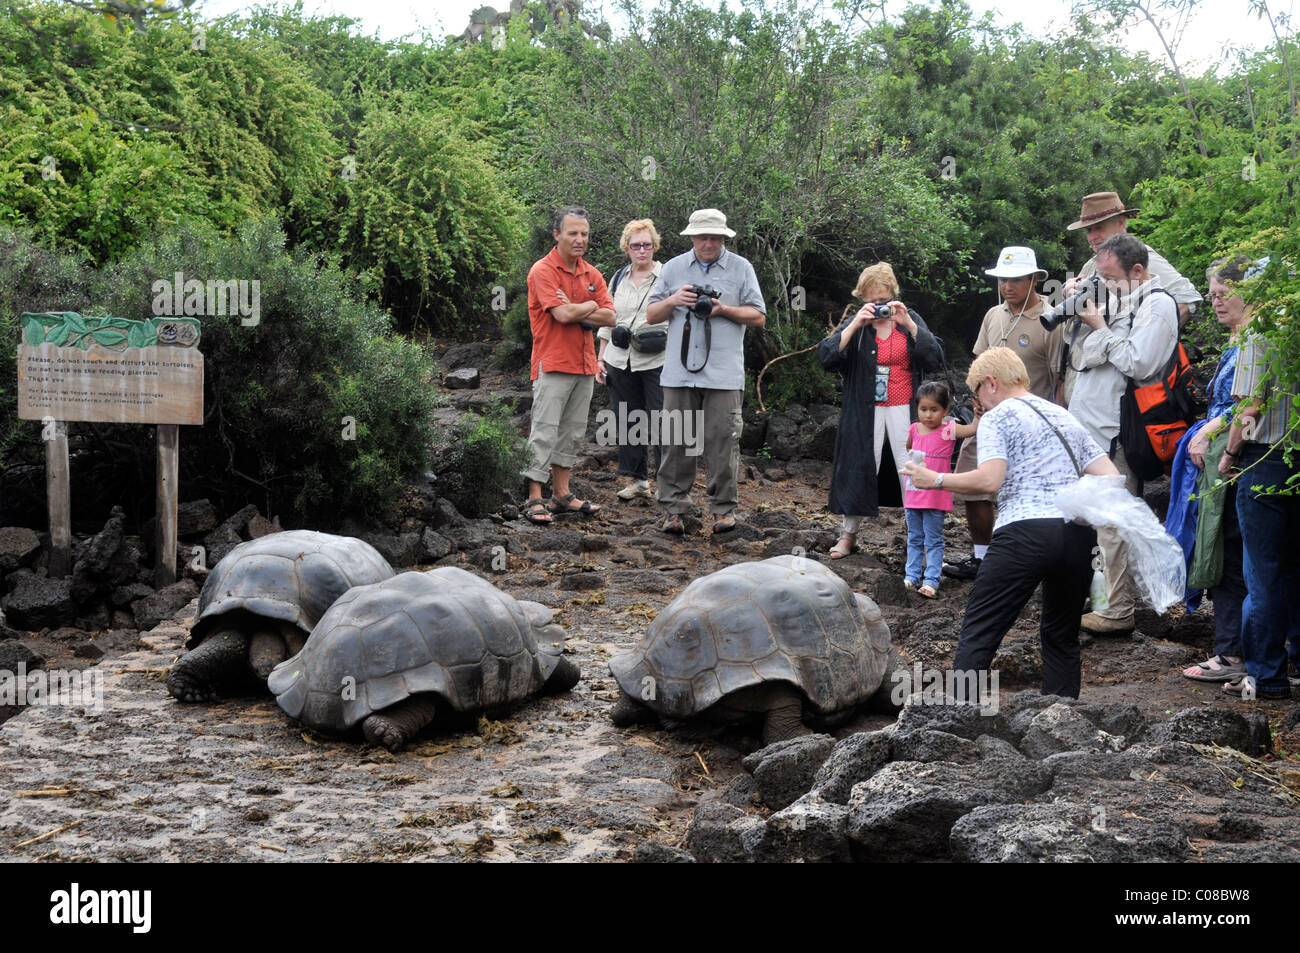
[924, 544]
[1270, 525]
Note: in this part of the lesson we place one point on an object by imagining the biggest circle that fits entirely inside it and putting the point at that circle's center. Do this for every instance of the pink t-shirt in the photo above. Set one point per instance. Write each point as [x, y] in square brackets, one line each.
[938, 457]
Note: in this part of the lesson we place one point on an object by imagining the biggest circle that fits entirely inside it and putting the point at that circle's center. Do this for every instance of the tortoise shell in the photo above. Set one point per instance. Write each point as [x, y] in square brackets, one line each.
[293, 576]
[782, 619]
[445, 631]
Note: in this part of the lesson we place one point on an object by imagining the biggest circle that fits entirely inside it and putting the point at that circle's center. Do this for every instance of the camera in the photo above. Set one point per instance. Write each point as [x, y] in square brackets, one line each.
[620, 336]
[704, 306]
[1090, 289]
[879, 312]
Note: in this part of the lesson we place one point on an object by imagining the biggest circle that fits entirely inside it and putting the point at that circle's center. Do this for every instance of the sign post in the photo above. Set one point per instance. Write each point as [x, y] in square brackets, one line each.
[110, 370]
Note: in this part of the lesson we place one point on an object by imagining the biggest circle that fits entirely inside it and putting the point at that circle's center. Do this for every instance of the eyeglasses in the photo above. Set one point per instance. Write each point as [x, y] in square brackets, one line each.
[640, 246]
[1221, 295]
[977, 388]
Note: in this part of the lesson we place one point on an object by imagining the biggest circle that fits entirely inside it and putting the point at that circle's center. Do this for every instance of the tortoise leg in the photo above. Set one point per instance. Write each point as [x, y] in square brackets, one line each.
[218, 660]
[564, 677]
[266, 650]
[784, 718]
[398, 724]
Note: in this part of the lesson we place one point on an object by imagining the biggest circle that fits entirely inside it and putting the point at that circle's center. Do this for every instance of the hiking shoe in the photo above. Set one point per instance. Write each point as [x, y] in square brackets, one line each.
[635, 491]
[1095, 624]
[966, 569]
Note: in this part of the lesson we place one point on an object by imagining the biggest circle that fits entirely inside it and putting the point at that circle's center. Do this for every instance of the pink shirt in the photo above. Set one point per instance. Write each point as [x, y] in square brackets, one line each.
[938, 457]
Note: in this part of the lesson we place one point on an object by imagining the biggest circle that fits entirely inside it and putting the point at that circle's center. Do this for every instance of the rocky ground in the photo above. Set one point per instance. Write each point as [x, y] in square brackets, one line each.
[149, 779]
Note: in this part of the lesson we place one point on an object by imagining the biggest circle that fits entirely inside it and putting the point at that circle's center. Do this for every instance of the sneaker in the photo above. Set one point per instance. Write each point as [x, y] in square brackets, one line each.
[909, 585]
[966, 569]
[1095, 624]
[635, 491]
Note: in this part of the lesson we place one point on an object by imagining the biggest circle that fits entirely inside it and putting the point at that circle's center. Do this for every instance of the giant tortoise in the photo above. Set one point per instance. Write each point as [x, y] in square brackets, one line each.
[777, 638]
[261, 601]
[386, 655]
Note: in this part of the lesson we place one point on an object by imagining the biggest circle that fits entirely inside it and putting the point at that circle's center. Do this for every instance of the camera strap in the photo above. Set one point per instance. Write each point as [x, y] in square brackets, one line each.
[1059, 436]
[686, 342]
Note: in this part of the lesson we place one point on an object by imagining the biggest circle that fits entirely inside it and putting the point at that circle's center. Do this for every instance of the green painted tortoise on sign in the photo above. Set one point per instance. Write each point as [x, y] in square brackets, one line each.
[260, 603]
[780, 639]
[385, 657]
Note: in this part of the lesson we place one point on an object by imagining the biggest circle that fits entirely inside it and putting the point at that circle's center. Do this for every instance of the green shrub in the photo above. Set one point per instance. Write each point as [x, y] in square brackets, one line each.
[482, 462]
[316, 412]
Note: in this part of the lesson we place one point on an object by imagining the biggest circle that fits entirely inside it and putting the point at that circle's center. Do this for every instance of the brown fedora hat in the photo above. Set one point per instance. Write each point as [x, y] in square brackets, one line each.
[1100, 206]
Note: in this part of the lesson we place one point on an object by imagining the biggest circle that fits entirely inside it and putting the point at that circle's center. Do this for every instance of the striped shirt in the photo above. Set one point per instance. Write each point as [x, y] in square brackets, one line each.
[1254, 380]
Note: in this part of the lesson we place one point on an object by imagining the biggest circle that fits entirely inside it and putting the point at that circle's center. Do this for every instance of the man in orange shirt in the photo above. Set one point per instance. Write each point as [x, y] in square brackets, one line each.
[567, 298]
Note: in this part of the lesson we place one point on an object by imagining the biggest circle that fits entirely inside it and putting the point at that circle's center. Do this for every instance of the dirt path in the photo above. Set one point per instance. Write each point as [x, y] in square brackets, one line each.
[552, 779]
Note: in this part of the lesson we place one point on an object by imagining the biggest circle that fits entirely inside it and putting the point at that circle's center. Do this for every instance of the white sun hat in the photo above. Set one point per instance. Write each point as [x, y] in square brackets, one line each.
[1016, 261]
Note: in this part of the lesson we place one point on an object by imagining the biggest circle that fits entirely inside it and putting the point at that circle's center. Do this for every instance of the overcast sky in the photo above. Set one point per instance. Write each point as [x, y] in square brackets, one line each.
[1216, 24]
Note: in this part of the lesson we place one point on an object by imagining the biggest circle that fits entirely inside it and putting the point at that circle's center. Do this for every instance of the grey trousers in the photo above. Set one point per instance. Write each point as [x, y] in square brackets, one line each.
[560, 404]
[707, 423]
[1121, 589]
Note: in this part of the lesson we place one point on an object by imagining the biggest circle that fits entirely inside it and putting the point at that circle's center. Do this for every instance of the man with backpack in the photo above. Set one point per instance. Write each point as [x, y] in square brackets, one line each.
[1133, 343]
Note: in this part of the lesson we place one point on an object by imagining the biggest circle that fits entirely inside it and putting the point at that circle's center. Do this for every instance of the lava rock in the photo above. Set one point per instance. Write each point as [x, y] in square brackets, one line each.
[220, 542]
[722, 834]
[402, 551]
[19, 546]
[852, 760]
[38, 602]
[582, 581]
[905, 811]
[889, 590]
[1059, 728]
[810, 830]
[88, 650]
[194, 517]
[470, 353]
[12, 655]
[1063, 832]
[1248, 733]
[653, 852]
[125, 595]
[785, 771]
[928, 745]
[433, 546]
[556, 540]
[461, 378]
[742, 792]
[260, 526]
[164, 604]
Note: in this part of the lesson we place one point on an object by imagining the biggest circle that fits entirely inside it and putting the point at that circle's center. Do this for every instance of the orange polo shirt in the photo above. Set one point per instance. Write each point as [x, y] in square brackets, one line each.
[566, 348]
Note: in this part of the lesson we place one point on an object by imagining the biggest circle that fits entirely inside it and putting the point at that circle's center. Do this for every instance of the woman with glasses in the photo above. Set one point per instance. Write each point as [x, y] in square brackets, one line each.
[631, 368]
[884, 350]
[1207, 525]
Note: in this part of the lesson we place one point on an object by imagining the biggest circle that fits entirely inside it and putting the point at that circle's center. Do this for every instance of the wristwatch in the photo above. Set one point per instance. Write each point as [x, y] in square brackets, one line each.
[938, 481]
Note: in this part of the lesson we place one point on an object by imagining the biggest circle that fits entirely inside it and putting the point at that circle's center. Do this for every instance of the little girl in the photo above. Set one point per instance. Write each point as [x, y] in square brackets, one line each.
[925, 508]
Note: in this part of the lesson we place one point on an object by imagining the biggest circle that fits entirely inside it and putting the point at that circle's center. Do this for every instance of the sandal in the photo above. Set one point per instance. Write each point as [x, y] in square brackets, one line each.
[535, 511]
[845, 545]
[723, 523]
[1244, 688]
[928, 591]
[673, 525]
[1216, 669]
[562, 505]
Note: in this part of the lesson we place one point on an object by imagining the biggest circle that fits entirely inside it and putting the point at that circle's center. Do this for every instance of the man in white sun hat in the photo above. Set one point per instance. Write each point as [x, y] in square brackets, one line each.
[704, 370]
[1012, 323]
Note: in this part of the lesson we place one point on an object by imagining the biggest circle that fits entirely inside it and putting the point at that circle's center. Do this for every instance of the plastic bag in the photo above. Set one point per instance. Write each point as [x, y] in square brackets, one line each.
[1154, 556]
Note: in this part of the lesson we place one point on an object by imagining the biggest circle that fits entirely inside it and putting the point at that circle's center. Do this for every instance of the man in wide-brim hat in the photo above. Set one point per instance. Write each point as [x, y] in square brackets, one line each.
[1104, 215]
[1012, 323]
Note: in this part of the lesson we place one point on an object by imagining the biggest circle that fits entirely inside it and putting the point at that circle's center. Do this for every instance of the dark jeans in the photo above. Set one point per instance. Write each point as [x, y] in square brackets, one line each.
[636, 391]
[1270, 527]
[1023, 554]
[1230, 593]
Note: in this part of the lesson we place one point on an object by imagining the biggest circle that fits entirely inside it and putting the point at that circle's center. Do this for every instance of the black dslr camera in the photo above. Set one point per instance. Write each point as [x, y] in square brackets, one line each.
[704, 306]
[1090, 289]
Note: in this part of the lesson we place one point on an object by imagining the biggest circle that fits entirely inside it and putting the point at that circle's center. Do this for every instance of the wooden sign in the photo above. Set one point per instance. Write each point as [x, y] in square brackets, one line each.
[110, 370]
